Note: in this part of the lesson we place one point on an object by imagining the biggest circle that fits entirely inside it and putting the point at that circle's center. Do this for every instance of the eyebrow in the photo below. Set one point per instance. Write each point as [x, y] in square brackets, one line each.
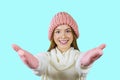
[65, 29]
[68, 28]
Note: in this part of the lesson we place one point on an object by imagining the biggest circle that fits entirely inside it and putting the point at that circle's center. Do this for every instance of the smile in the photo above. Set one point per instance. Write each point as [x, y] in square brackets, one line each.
[63, 42]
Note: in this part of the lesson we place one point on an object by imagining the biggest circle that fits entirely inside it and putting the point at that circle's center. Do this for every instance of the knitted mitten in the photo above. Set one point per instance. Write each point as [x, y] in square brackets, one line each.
[92, 55]
[26, 57]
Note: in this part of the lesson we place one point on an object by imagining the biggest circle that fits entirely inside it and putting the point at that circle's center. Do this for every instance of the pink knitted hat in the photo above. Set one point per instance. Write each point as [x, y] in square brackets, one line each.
[62, 18]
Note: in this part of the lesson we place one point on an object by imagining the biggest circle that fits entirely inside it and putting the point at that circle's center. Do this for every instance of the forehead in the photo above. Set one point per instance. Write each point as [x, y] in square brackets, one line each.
[63, 27]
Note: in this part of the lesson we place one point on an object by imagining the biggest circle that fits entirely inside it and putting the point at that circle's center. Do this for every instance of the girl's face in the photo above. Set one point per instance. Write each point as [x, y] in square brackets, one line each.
[63, 37]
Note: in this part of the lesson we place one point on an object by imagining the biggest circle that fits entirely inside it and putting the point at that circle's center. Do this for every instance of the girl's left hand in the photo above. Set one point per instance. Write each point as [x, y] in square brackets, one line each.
[92, 55]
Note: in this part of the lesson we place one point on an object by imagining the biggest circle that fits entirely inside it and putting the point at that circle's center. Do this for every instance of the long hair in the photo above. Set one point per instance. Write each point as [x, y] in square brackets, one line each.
[73, 44]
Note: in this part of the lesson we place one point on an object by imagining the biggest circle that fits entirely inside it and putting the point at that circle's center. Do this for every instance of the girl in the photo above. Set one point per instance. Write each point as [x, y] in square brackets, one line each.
[63, 60]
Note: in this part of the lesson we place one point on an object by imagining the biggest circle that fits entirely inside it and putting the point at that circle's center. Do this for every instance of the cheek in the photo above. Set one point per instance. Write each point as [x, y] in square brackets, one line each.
[71, 40]
[55, 37]
[70, 36]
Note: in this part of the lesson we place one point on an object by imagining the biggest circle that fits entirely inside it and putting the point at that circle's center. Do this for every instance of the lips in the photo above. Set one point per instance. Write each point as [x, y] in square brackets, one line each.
[63, 42]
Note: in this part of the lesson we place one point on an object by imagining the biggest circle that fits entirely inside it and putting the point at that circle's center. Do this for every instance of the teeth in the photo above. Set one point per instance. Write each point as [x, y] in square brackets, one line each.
[63, 41]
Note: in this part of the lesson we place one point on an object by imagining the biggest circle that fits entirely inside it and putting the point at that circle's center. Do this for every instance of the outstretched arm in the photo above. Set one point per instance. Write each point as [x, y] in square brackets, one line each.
[92, 55]
[26, 57]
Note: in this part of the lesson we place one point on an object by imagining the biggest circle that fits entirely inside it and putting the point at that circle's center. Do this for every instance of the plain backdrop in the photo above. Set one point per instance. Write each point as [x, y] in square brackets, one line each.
[26, 22]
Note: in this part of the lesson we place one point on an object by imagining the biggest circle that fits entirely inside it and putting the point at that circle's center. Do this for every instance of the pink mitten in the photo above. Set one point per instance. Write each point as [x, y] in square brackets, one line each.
[90, 56]
[26, 57]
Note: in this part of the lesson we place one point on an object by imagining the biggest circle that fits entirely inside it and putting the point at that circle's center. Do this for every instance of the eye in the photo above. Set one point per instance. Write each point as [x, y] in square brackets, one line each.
[57, 32]
[68, 30]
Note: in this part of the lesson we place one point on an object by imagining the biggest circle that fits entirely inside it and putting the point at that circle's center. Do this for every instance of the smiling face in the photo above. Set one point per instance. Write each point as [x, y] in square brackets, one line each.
[63, 37]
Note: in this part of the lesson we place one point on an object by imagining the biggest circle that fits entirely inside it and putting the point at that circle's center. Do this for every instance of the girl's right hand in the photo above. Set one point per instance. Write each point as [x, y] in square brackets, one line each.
[26, 57]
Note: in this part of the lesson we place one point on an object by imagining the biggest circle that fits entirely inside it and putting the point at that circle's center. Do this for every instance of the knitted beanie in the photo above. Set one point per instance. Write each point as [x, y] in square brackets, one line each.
[62, 18]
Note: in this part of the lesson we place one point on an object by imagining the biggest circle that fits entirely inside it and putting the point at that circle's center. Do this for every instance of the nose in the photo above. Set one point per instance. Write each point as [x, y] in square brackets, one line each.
[63, 35]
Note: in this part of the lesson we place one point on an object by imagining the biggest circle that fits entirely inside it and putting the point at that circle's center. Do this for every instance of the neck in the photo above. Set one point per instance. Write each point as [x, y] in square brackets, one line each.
[62, 50]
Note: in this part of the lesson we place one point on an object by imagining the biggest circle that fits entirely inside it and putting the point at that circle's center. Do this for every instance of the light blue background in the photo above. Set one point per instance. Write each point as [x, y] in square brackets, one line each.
[25, 22]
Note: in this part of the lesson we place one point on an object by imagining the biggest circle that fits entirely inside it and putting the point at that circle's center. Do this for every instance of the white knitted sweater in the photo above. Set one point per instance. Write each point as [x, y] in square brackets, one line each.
[55, 65]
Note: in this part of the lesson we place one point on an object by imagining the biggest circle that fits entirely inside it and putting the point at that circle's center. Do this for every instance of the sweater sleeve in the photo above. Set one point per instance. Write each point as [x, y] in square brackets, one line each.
[43, 63]
[81, 70]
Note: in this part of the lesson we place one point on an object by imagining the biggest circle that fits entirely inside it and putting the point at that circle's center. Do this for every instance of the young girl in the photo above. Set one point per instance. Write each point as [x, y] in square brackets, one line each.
[63, 60]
